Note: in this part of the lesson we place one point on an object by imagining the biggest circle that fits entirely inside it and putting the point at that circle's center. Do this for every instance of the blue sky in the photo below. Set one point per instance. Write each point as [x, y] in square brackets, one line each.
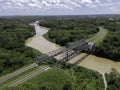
[59, 7]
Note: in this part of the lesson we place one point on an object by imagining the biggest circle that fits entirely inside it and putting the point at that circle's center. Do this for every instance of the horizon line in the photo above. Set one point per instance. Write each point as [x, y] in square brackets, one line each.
[60, 15]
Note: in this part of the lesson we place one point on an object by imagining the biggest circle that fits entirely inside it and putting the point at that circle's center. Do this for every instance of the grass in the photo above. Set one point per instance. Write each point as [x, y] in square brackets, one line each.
[47, 37]
[16, 77]
[118, 23]
[35, 52]
[21, 76]
[99, 37]
[57, 77]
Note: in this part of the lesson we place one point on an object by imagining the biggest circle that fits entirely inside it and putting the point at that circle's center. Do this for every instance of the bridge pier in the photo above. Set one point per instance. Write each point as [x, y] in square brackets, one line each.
[69, 52]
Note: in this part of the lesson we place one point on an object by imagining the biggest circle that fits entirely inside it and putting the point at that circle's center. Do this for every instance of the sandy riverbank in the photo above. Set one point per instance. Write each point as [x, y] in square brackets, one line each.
[101, 65]
[40, 43]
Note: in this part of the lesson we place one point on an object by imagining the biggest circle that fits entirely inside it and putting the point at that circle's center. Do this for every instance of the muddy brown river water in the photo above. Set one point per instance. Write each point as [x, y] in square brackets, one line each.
[101, 65]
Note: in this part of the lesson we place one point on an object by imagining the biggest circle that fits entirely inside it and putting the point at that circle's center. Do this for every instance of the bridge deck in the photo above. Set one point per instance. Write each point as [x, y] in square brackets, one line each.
[68, 52]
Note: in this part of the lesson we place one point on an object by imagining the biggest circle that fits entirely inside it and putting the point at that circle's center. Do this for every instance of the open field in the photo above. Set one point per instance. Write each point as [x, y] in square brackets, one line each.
[59, 79]
[11, 75]
[5, 83]
[23, 77]
[89, 61]
[99, 37]
[101, 65]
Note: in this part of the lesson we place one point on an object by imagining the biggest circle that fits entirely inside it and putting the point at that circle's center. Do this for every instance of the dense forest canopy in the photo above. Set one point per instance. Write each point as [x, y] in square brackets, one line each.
[65, 30]
[77, 78]
[13, 52]
[110, 47]
[113, 80]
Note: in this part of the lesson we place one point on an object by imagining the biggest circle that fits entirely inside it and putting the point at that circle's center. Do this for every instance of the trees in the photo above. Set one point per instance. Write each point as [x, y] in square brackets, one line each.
[67, 86]
[64, 31]
[110, 48]
[113, 80]
[13, 53]
[77, 78]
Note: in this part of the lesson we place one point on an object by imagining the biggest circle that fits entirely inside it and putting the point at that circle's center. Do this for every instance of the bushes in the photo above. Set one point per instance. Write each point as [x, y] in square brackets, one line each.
[113, 80]
[87, 79]
[13, 53]
[64, 31]
[110, 47]
[77, 78]
[12, 60]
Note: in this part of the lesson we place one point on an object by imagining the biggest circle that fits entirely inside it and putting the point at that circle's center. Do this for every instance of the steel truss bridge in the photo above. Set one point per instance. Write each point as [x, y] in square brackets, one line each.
[66, 53]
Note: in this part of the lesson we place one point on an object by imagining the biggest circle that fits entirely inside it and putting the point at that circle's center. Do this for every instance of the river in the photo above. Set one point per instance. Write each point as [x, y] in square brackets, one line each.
[101, 65]
[39, 43]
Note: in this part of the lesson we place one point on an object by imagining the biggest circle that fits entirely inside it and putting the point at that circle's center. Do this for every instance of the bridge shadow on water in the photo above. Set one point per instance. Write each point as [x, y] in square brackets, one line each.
[80, 60]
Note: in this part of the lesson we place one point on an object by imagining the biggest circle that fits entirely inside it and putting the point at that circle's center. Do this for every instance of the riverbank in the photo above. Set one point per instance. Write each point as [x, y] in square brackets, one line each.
[101, 65]
[39, 43]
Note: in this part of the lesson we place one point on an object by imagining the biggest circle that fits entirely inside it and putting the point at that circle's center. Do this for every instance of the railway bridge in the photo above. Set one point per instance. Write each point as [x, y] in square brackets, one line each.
[67, 52]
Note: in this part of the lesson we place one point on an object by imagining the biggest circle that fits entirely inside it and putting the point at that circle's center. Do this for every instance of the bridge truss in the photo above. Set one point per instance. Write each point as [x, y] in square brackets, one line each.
[66, 53]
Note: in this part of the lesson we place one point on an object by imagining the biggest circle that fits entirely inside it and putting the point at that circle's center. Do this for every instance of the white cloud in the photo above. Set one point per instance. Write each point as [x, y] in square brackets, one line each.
[59, 4]
[111, 7]
[47, 3]
[109, 0]
[97, 1]
[44, 3]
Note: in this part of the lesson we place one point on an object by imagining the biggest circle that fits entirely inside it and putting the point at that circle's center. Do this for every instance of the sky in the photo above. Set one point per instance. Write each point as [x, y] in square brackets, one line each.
[59, 7]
